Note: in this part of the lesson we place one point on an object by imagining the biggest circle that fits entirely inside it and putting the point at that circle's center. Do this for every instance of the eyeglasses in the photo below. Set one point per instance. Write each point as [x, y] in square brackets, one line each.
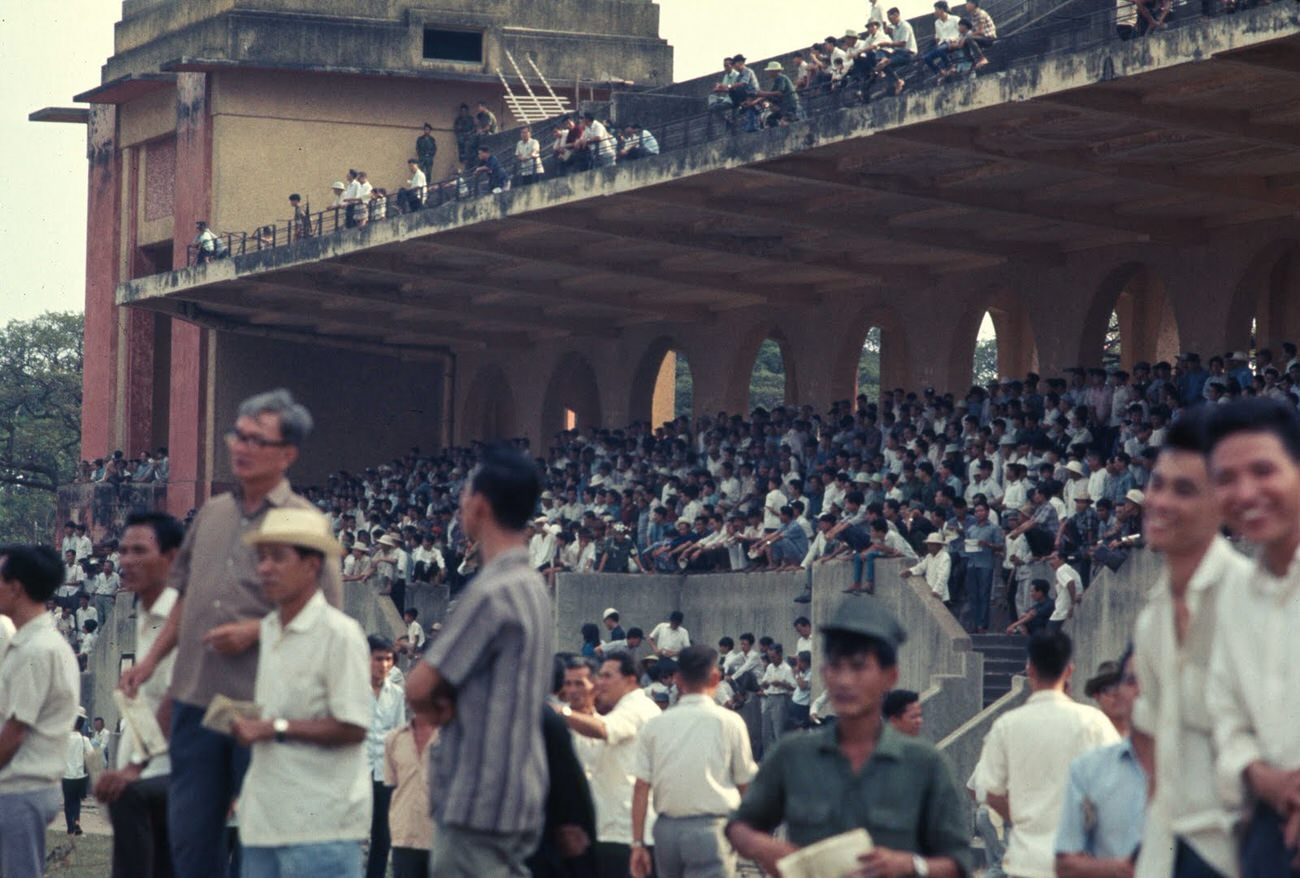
[235, 436]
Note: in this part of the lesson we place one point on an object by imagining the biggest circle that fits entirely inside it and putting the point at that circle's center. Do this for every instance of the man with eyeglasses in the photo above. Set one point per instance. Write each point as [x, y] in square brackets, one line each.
[214, 626]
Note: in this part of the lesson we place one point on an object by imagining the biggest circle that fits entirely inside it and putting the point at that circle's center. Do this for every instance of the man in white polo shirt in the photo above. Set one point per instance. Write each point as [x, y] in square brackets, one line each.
[136, 792]
[38, 704]
[696, 760]
[305, 804]
[669, 638]
[1027, 753]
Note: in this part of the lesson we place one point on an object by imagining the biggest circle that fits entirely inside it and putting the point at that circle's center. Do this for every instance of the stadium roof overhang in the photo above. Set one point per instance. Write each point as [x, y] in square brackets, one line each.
[1127, 144]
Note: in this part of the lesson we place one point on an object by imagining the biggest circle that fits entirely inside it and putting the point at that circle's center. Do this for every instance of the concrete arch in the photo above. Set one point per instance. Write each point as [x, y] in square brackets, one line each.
[742, 366]
[895, 362]
[489, 408]
[573, 387]
[1268, 293]
[645, 393]
[1014, 326]
[1148, 323]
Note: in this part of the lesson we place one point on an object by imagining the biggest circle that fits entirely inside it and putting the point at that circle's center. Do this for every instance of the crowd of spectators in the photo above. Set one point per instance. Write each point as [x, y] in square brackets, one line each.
[118, 469]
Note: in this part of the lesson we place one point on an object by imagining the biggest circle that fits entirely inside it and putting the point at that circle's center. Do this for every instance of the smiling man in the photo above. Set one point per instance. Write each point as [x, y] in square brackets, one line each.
[1255, 664]
[216, 623]
[859, 772]
[1188, 831]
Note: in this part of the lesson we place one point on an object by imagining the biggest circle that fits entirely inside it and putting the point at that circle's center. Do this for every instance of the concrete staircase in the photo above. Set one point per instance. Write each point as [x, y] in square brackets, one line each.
[1004, 657]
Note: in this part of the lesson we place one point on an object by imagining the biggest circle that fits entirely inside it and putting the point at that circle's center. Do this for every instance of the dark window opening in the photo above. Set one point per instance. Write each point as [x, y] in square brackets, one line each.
[453, 45]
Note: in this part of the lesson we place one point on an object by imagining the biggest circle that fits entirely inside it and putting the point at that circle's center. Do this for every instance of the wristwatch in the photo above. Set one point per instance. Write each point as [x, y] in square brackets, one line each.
[638, 844]
[566, 711]
[920, 867]
[281, 728]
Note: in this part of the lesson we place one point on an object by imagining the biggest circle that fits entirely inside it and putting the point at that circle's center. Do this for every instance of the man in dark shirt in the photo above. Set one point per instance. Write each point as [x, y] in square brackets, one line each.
[1040, 611]
[426, 147]
[490, 166]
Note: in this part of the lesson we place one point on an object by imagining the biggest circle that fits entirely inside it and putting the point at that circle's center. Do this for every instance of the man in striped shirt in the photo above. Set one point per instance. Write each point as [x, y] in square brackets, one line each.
[981, 35]
[484, 680]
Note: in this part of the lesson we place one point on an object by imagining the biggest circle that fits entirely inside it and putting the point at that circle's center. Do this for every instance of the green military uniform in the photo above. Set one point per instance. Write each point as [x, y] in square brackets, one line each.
[904, 796]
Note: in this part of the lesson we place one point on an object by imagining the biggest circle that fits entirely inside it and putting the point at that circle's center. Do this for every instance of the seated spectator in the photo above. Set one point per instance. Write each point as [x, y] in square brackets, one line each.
[947, 39]
[410, 197]
[901, 47]
[1035, 619]
[982, 34]
[571, 152]
[785, 99]
[638, 143]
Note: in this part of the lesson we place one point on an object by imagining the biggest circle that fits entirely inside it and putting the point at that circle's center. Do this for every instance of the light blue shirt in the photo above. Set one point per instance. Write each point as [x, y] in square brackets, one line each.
[388, 711]
[1105, 804]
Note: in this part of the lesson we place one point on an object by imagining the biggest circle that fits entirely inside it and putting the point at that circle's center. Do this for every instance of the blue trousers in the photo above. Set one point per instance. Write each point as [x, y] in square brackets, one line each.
[979, 587]
[336, 859]
[937, 58]
[207, 772]
[1263, 851]
[864, 563]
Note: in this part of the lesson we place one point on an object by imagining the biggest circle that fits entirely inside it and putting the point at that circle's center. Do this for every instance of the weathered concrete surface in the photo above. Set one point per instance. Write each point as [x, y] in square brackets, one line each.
[964, 743]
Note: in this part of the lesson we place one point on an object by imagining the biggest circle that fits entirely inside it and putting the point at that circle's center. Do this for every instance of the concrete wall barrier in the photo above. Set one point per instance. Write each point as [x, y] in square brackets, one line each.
[937, 659]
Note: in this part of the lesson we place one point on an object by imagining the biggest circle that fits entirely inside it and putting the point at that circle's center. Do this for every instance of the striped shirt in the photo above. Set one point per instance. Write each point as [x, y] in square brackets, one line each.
[489, 769]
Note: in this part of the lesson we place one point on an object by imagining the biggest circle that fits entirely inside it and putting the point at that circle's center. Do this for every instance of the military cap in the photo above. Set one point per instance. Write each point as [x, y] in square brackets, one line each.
[865, 615]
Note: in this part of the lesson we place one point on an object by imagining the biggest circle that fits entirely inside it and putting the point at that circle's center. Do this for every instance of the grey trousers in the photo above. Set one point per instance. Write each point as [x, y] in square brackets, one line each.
[469, 853]
[24, 817]
[775, 708]
[693, 847]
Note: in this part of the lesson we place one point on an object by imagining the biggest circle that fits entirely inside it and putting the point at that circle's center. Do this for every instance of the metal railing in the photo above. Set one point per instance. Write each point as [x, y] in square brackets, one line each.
[1015, 48]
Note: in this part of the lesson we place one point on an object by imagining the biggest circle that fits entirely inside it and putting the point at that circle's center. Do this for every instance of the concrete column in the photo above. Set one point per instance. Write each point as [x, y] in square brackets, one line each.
[188, 433]
[99, 375]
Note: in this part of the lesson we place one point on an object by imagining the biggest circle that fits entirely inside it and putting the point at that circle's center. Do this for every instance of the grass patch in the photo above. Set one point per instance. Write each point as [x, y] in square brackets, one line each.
[80, 856]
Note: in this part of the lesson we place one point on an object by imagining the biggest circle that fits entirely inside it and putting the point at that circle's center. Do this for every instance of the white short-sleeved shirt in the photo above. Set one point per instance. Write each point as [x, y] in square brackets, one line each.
[670, 640]
[149, 624]
[297, 793]
[694, 757]
[41, 690]
[75, 751]
[614, 770]
[778, 672]
[1065, 574]
[1027, 756]
[415, 633]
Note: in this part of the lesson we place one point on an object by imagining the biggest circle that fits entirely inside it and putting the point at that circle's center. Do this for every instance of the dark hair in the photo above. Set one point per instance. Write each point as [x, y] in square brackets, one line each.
[626, 664]
[727, 642]
[802, 620]
[896, 702]
[1040, 585]
[635, 632]
[748, 636]
[412, 612]
[1258, 414]
[38, 568]
[676, 616]
[166, 530]
[846, 644]
[1049, 654]
[379, 643]
[509, 483]
[590, 633]
[90, 625]
[695, 662]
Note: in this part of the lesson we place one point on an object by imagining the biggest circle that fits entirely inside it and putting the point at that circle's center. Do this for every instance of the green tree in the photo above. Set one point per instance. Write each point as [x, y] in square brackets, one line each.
[1111, 349]
[986, 361]
[869, 365]
[40, 420]
[767, 380]
[684, 398]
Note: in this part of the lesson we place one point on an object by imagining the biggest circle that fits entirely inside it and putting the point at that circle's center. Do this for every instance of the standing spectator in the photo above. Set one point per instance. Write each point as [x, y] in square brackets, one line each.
[935, 567]
[1255, 470]
[414, 633]
[411, 197]
[902, 709]
[625, 711]
[426, 149]
[489, 168]
[103, 590]
[1105, 803]
[1187, 824]
[300, 227]
[610, 620]
[38, 704]
[406, 769]
[205, 244]
[528, 158]
[463, 129]
[1027, 753]
[695, 760]
[388, 711]
[983, 538]
[1069, 591]
[216, 624]
[136, 791]
[73, 584]
[667, 639]
[77, 748]
[777, 685]
[801, 699]
[308, 744]
[489, 778]
[859, 771]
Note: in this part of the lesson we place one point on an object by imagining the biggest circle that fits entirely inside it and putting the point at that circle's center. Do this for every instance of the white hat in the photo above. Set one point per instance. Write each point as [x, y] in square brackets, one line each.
[935, 540]
[1075, 467]
[609, 611]
[1135, 496]
[305, 528]
[1239, 355]
[338, 184]
[547, 495]
[861, 478]
[1083, 495]
[773, 67]
[387, 540]
[541, 519]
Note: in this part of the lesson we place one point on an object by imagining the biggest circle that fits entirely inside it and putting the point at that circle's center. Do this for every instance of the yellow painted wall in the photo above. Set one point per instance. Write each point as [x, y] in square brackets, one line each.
[664, 402]
[274, 134]
[147, 117]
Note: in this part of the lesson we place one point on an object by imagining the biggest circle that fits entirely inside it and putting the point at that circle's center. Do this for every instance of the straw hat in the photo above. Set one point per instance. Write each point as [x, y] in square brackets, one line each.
[773, 67]
[304, 528]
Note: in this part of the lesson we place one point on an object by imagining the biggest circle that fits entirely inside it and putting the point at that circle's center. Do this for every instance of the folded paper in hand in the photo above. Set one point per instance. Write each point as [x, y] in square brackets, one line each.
[832, 857]
[223, 712]
[149, 738]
